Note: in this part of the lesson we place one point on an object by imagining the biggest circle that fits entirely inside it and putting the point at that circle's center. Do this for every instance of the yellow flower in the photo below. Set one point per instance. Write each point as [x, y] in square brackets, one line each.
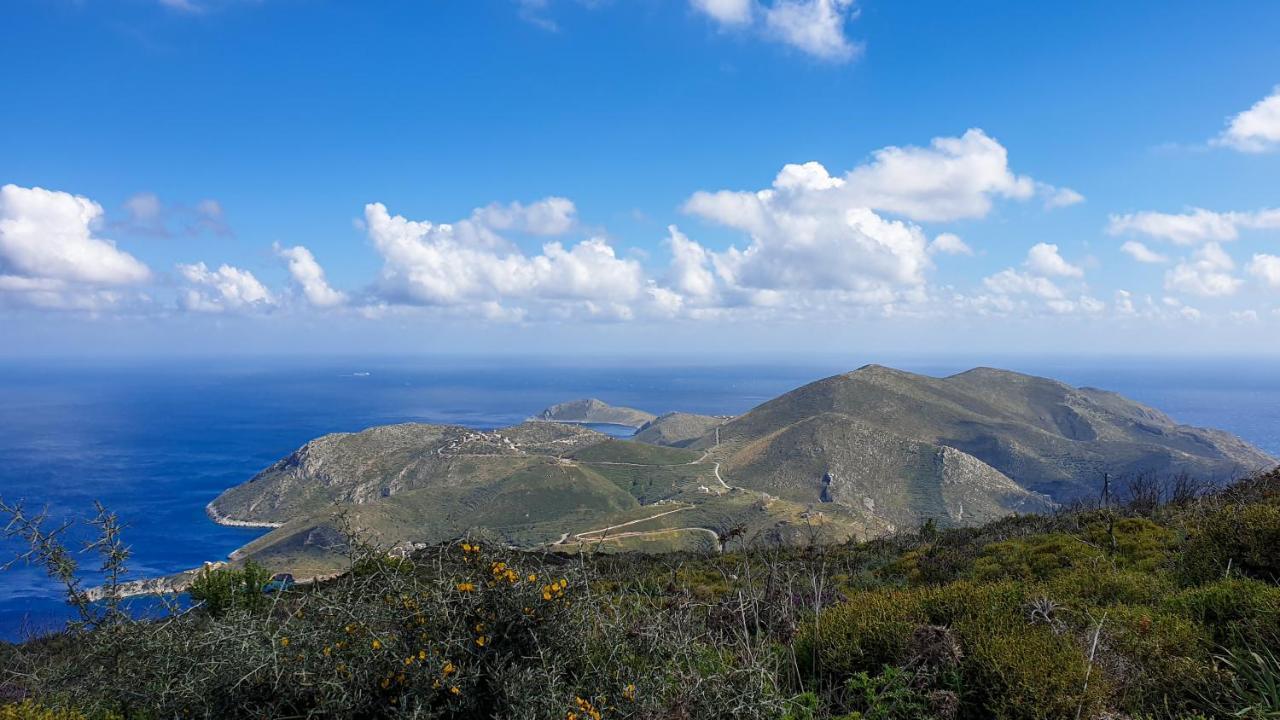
[376, 644]
[546, 595]
[408, 660]
[533, 577]
[466, 587]
[327, 651]
[386, 683]
[629, 692]
[480, 641]
[422, 655]
[479, 627]
[466, 547]
[449, 668]
[284, 642]
[454, 689]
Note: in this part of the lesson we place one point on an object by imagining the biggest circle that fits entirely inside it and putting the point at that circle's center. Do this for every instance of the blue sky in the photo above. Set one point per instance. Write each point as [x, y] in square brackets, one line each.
[212, 176]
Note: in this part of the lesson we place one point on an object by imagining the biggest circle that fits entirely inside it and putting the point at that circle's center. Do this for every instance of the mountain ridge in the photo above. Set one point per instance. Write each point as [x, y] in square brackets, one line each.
[858, 454]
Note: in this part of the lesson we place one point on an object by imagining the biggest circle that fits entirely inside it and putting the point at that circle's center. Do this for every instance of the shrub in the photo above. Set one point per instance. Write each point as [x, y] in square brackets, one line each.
[222, 589]
[28, 710]
[975, 608]
[866, 632]
[1240, 539]
[1103, 585]
[1032, 674]
[887, 696]
[1157, 659]
[1140, 544]
[1233, 611]
[1033, 558]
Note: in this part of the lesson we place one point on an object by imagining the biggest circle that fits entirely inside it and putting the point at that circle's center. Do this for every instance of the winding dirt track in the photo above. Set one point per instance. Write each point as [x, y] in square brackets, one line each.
[601, 534]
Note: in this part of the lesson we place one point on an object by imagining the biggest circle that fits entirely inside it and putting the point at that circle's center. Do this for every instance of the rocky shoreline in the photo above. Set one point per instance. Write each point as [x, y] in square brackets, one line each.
[221, 519]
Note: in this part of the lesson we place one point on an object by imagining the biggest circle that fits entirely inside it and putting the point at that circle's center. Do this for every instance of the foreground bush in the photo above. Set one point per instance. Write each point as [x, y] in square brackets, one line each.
[1094, 614]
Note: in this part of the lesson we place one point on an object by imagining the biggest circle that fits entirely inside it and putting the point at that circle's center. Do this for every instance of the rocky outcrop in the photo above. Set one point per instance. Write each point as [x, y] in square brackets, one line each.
[594, 411]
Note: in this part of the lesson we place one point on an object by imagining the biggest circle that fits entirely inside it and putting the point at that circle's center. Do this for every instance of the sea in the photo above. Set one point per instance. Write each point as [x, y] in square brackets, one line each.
[156, 440]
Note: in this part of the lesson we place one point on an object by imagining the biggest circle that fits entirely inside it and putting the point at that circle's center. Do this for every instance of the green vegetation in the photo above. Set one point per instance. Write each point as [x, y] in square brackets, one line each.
[1151, 610]
[223, 589]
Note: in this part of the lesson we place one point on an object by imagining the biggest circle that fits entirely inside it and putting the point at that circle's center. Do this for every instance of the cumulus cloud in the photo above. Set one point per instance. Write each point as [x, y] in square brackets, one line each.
[226, 289]
[807, 237]
[1266, 268]
[1142, 253]
[309, 276]
[812, 232]
[954, 178]
[50, 234]
[1255, 130]
[442, 264]
[949, 244]
[1060, 197]
[690, 273]
[727, 12]
[1207, 273]
[549, 216]
[1194, 226]
[815, 27]
[1012, 282]
[1043, 259]
[1043, 264]
[51, 256]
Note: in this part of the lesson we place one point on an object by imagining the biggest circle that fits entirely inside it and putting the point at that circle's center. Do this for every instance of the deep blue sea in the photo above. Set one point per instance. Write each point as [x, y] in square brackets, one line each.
[155, 441]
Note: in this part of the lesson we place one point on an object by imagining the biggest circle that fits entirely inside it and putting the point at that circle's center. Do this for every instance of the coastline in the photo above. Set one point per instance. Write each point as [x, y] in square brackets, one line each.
[585, 422]
[221, 519]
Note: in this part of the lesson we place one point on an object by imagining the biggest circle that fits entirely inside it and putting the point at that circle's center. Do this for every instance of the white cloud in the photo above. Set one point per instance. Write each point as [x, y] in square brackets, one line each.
[1208, 273]
[690, 274]
[1060, 197]
[726, 12]
[954, 178]
[50, 256]
[549, 216]
[1255, 130]
[1042, 264]
[1012, 282]
[227, 288]
[1266, 268]
[806, 239]
[442, 264]
[1124, 303]
[1142, 253]
[144, 209]
[146, 214]
[813, 26]
[949, 244]
[310, 276]
[1043, 259]
[1193, 226]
